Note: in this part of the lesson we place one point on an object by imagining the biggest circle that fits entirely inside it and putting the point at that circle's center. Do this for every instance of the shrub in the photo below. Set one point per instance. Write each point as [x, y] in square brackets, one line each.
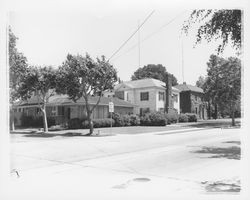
[134, 120]
[119, 121]
[74, 123]
[183, 118]
[31, 121]
[154, 119]
[126, 120]
[171, 117]
[191, 117]
[98, 123]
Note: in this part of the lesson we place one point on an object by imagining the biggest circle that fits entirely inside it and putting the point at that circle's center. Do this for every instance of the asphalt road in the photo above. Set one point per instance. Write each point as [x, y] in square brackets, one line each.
[185, 162]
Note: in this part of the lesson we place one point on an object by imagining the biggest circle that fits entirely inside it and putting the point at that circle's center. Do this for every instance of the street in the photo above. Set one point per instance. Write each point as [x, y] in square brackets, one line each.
[187, 161]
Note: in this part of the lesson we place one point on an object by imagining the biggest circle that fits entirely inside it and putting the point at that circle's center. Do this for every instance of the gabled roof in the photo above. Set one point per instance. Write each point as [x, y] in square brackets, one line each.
[143, 83]
[65, 100]
[187, 87]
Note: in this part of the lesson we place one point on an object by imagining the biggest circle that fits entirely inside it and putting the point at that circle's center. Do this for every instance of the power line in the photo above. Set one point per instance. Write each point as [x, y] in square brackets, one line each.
[131, 35]
[152, 34]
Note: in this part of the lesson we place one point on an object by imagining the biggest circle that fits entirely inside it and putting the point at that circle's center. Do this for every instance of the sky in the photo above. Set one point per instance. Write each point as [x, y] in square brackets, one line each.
[46, 37]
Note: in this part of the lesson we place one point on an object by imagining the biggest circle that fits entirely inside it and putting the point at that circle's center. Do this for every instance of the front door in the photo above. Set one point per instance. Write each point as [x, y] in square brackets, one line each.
[68, 113]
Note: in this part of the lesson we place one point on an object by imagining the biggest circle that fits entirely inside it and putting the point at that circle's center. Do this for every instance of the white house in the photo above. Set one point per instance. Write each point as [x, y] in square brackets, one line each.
[148, 94]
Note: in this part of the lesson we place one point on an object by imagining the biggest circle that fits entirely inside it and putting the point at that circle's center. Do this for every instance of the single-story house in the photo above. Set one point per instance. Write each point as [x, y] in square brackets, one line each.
[62, 109]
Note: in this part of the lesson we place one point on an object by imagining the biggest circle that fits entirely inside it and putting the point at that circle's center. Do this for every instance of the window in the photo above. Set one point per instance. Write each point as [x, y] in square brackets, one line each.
[144, 96]
[19, 109]
[161, 109]
[196, 110]
[53, 111]
[144, 111]
[175, 97]
[161, 96]
[60, 110]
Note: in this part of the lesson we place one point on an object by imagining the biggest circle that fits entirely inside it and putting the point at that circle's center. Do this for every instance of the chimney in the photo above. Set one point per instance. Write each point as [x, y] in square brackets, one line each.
[168, 92]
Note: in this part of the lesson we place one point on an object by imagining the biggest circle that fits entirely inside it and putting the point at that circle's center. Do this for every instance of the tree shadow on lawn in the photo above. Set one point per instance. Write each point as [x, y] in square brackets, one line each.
[232, 152]
[222, 186]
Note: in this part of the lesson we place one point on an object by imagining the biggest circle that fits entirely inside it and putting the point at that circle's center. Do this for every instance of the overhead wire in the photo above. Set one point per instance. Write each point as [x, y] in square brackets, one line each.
[123, 44]
[150, 35]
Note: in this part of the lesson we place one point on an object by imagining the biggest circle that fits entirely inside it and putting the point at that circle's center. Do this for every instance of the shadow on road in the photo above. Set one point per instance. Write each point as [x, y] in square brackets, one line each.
[232, 152]
[222, 186]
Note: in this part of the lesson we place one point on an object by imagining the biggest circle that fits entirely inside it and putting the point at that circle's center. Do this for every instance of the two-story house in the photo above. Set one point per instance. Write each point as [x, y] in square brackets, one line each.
[148, 94]
[191, 100]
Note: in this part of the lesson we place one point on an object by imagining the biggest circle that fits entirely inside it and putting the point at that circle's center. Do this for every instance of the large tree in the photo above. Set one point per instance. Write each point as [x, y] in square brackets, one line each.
[81, 76]
[153, 71]
[222, 85]
[217, 24]
[40, 83]
[17, 70]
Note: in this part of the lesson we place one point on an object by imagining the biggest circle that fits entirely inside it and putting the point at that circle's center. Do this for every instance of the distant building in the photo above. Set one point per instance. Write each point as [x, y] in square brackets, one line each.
[148, 94]
[62, 109]
[191, 100]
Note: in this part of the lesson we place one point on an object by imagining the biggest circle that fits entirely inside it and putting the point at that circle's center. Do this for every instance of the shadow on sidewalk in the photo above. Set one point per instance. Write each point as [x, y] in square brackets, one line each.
[214, 124]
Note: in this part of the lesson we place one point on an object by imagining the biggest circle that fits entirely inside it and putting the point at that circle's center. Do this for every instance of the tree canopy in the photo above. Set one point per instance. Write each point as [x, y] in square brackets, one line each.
[217, 24]
[222, 85]
[152, 71]
[39, 82]
[81, 76]
[17, 67]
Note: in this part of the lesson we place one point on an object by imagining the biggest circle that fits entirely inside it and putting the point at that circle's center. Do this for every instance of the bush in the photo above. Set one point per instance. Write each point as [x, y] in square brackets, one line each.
[191, 117]
[183, 118]
[134, 120]
[119, 121]
[126, 120]
[154, 119]
[74, 123]
[99, 123]
[31, 121]
[171, 117]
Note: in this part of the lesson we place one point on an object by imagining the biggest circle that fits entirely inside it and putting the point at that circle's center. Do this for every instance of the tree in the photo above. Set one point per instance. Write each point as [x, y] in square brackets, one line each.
[39, 82]
[152, 71]
[217, 24]
[201, 81]
[81, 76]
[17, 69]
[223, 84]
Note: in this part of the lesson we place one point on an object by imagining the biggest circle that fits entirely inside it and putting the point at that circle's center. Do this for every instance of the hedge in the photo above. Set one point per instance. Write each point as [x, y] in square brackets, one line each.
[154, 119]
[31, 121]
[191, 117]
[183, 118]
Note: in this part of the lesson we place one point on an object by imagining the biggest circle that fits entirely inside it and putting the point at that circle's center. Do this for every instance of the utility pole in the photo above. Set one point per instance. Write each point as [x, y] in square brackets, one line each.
[139, 45]
[182, 61]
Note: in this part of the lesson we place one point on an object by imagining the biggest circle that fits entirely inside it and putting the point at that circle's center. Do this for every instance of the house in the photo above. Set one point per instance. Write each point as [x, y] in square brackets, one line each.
[191, 100]
[62, 109]
[148, 94]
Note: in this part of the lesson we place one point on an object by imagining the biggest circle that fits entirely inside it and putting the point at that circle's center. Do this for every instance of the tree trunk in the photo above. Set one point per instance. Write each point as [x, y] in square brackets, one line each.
[209, 110]
[233, 118]
[215, 111]
[12, 120]
[91, 126]
[45, 123]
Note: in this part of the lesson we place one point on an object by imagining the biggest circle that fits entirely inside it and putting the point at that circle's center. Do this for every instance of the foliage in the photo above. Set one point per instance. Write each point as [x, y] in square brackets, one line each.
[81, 76]
[223, 24]
[153, 71]
[154, 119]
[172, 117]
[39, 83]
[17, 67]
[183, 117]
[222, 85]
[134, 120]
[99, 123]
[191, 117]
[75, 123]
[31, 121]
[118, 119]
